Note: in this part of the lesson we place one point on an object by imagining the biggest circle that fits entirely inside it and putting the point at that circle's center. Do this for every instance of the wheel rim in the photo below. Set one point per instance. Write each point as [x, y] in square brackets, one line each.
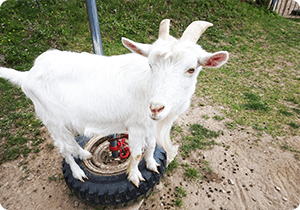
[102, 162]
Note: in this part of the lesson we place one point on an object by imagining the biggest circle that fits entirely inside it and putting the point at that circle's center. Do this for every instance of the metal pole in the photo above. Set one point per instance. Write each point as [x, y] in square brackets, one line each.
[94, 26]
[97, 45]
[113, 144]
[274, 4]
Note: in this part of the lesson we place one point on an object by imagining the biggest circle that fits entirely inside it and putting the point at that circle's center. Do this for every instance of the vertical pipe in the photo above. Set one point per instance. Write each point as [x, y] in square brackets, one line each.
[274, 4]
[97, 45]
[113, 144]
[94, 26]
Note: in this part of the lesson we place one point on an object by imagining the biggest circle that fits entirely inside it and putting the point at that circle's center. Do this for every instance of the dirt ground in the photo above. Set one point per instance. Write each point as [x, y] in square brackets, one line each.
[254, 173]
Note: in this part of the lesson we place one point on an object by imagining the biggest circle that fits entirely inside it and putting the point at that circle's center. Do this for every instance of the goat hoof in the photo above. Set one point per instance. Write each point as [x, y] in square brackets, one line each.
[135, 177]
[136, 184]
[152, 166]
[156, 171]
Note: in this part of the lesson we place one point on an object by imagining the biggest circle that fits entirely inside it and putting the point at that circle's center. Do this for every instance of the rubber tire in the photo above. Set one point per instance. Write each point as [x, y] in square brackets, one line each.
[115, 189]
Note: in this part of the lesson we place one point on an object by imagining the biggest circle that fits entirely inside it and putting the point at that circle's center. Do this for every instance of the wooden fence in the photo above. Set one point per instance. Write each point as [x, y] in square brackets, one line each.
[286, 8]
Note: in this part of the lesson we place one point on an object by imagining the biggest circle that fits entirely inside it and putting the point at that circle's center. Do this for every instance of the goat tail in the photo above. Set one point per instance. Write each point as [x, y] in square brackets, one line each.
[163, 137]
[14, 76]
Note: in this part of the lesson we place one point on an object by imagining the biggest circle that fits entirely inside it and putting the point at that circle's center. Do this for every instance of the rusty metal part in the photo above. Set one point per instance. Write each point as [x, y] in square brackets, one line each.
[102, 162]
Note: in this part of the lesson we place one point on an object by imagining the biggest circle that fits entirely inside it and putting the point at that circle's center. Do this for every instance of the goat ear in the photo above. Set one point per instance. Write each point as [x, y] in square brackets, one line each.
[214, 60]
[142, 49]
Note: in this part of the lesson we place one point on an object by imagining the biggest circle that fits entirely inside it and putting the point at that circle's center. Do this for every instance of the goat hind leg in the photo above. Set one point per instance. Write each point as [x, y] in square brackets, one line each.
[83, 154]
[67, 146]
[77, 172]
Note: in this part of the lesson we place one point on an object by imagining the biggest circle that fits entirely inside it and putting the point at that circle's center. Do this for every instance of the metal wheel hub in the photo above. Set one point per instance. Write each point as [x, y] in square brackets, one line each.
[102, 162]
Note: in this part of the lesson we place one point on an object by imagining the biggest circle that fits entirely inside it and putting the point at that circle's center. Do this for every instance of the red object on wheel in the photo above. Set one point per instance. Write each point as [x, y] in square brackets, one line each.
[120, 147]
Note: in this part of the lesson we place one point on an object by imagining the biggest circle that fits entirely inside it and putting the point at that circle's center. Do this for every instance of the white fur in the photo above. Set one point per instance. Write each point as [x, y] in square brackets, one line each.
[81, 93]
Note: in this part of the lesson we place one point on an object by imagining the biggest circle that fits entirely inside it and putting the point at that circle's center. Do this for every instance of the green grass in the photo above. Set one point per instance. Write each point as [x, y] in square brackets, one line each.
[191, 173]
[230, 125]
[50, 146]
[206, 168]
[178, 202]
[289, 148]
[201, 132]
[172, 166]
[218, 118]
[194, 173]
[180, 192]
[294, 125]
[259, 86]
[205, 117]
[202, 138]
[177, 128]
[56, 177]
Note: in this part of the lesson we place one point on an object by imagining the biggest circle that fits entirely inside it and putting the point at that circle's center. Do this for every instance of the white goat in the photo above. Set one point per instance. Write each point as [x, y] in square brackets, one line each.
[142, 92]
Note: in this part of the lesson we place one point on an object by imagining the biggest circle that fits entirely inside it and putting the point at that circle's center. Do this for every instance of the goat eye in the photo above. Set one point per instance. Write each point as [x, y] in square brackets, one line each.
[150, 66]
[191, 71]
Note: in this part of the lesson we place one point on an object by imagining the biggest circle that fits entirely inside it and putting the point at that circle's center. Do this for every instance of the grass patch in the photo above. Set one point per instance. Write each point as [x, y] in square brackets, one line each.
[201, 104]
[50, 146]
[205, 117]
[296, 110]
[254, 103]
[218, 118]
[201, 139]
[191, 173]
[178, 202]
[286, 113]
[206, 168]
[294, 125]
[230, 125]
[172, 166]
[56, 177]
[201, 132]
[177, 128]
[289, 148]
[180, 192]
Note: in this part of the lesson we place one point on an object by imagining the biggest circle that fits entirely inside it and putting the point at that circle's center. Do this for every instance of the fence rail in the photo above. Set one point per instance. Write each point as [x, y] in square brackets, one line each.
[286, 8]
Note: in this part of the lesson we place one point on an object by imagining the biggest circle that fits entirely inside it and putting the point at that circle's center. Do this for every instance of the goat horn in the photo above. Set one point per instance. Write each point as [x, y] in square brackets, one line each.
[164, 29]
[194, 31]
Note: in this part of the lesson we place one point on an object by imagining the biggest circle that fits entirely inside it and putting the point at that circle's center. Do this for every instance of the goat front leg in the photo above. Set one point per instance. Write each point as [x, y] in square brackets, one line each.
[136, 143]
[151, 163]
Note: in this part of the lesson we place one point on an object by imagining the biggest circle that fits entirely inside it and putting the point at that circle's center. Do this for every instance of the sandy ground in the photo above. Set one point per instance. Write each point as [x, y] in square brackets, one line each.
[254, 173]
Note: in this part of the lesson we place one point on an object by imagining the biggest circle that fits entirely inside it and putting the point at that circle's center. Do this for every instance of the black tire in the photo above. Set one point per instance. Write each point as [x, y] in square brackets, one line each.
[114, 189]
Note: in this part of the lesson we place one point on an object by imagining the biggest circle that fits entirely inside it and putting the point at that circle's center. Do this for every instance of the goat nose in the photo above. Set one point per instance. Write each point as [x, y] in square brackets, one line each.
[156, 109]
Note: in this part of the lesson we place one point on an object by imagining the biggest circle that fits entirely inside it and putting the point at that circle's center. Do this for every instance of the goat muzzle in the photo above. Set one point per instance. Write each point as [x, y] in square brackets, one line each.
[156, 109]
